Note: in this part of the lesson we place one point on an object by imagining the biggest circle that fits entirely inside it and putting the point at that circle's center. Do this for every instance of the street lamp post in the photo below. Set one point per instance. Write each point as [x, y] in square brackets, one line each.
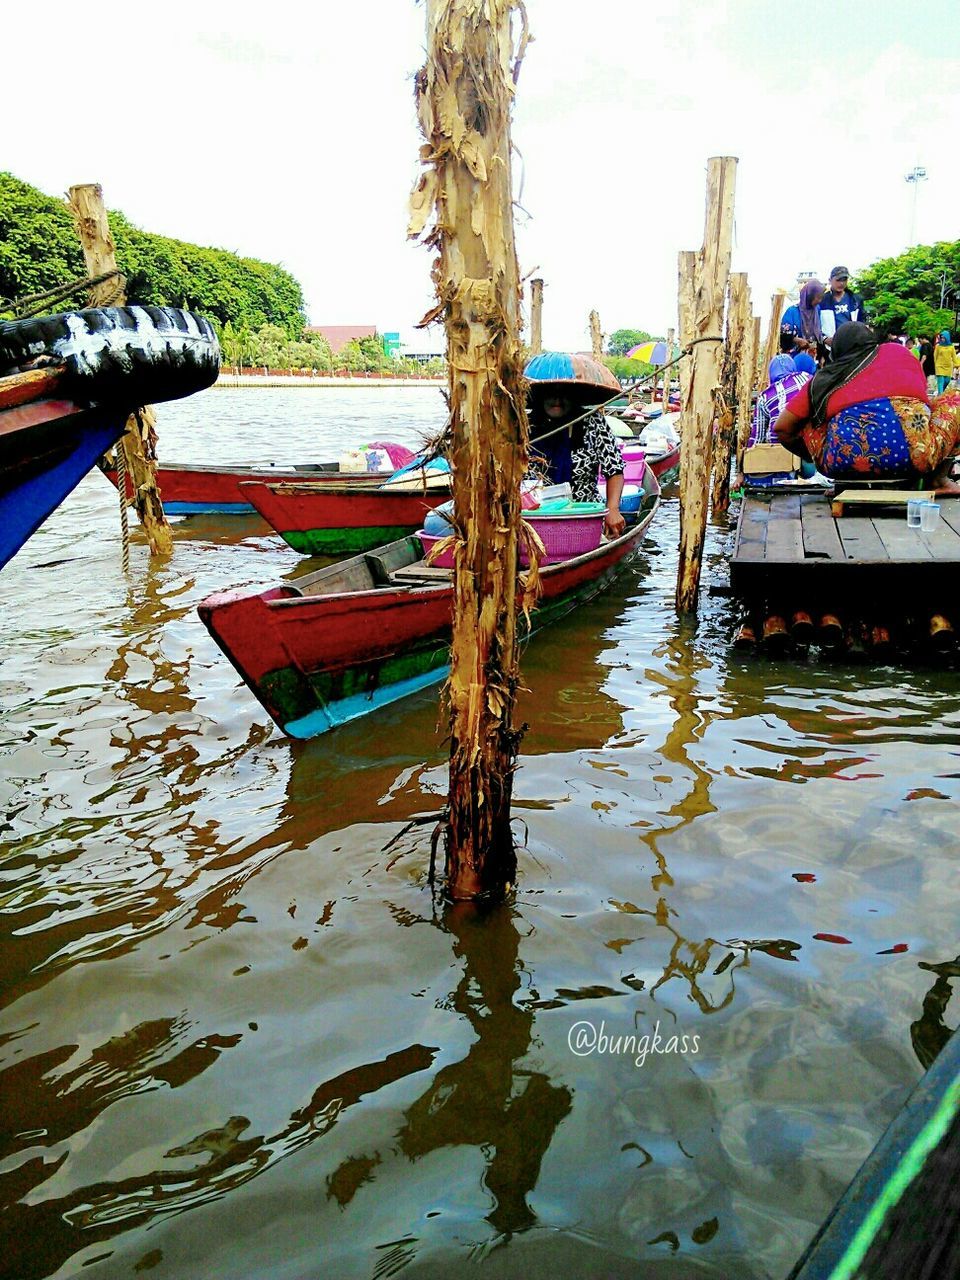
[916, 175]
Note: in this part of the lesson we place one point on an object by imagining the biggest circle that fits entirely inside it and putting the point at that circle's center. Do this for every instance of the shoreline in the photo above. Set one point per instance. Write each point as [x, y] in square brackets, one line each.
[231, 380]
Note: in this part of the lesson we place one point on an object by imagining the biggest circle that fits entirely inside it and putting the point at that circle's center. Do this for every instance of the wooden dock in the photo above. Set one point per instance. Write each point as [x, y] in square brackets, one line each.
[791, 546]
[847, 574]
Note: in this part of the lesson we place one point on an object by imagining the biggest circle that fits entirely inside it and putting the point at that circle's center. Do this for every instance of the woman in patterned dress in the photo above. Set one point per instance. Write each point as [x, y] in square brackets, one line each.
[565, 450]
[867, 414]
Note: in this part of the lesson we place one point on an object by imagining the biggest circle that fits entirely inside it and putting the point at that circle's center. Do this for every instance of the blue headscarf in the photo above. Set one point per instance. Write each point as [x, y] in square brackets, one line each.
[945, 337]
[780, 366]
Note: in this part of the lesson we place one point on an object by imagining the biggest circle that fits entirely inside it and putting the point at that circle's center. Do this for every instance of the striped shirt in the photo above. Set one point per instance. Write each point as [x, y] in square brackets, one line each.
[771, 403]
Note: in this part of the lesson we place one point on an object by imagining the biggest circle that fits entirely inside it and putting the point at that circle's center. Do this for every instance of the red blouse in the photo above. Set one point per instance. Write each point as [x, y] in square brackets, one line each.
[894, 371]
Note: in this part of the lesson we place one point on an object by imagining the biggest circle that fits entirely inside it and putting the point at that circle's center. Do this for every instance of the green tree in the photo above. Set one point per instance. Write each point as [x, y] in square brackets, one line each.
[39, 250]
[904, 294]
[620, 342]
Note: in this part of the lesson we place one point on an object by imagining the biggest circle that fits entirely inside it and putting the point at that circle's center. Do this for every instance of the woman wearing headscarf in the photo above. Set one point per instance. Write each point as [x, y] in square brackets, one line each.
[945, 361]
[568, 447]
[803, 318]
[867, 414]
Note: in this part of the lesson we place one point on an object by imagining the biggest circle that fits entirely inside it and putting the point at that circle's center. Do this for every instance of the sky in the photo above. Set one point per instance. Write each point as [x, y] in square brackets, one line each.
[287, 132]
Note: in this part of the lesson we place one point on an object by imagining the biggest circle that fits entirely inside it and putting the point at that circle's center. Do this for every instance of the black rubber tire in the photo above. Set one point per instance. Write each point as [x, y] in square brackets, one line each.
[118, 355]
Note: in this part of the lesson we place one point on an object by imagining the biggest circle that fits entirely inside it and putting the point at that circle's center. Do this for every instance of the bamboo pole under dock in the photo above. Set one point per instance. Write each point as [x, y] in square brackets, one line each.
[465, 192]
[140, 437]
[706, 361]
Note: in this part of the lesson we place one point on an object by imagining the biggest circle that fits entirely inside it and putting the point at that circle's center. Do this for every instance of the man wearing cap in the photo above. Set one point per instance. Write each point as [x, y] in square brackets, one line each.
[839, 305]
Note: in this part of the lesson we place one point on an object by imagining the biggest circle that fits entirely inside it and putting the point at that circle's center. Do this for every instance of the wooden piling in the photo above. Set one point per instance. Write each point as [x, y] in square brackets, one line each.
[140, 438]
[596, 336]
[738, 313]
[745, 387]
[536, 316]
[706, 362]
[464, 97]
[772, 344]
[686, 289]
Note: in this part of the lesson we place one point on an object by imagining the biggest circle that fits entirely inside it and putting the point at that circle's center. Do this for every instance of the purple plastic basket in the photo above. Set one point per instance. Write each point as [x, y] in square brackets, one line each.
[562, 536]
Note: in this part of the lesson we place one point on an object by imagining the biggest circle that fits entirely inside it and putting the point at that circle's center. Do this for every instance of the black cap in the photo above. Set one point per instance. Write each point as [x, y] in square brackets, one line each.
[839, 273]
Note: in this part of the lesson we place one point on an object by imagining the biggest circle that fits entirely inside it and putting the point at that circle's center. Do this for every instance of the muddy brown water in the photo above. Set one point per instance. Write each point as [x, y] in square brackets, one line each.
[239, 1040]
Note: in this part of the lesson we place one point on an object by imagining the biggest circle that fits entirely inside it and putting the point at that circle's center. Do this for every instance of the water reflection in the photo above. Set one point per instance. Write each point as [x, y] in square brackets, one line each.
[930, 1033]
[487, 1100]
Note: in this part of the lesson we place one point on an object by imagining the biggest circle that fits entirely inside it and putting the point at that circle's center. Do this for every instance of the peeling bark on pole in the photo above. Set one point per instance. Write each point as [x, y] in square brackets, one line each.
[772, 344]
[706, 361]
[745, 381]
[140, 438]
[596, 336]
[536, 316]
[738, 303]
[686, 287]
[464, 99]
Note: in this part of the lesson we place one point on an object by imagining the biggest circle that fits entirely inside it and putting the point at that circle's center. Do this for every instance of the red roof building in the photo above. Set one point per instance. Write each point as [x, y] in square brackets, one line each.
[338, 335]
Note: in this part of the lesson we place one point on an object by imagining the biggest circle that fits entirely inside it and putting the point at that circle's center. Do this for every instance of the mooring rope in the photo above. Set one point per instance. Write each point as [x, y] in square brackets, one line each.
[32, 304]
[124, 522]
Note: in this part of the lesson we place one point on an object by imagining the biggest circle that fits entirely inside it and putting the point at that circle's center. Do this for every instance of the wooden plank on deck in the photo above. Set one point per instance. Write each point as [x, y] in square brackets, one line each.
[821, 541]
[784, 535]
[860, 539]
[752, 531]
[900, 540]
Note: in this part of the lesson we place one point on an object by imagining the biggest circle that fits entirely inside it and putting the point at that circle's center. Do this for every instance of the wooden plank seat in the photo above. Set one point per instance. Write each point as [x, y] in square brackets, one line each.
[885, 497]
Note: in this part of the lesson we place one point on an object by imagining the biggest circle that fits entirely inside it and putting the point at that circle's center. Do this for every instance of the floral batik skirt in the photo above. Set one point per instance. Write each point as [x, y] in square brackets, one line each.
[888, 438]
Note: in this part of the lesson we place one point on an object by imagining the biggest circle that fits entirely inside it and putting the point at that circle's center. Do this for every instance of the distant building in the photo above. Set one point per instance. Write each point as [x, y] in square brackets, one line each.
[338, 335]
[423, 346]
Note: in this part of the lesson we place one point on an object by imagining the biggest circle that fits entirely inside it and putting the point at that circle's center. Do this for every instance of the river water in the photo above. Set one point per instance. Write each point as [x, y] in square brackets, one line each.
[239, 1040]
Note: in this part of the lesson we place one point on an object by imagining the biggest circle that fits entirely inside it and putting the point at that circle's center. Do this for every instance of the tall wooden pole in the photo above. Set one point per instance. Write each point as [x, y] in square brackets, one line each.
[772, 344]
[745, 384]
[668, 373]
[686, 289]
[706, 362]
[738, 313]
[536, 316]
[596, 336]
[140, 438]
[464, 98]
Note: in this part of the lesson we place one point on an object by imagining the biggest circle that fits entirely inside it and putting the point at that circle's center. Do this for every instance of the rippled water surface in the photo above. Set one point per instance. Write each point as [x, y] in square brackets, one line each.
[239, 1040]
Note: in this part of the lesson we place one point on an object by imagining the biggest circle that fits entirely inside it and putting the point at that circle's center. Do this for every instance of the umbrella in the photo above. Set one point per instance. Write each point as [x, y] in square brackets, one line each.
[653, 352]
[580, 376]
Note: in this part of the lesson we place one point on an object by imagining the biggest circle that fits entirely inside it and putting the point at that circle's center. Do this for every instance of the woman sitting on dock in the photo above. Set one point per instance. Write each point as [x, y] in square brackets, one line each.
[867, 415]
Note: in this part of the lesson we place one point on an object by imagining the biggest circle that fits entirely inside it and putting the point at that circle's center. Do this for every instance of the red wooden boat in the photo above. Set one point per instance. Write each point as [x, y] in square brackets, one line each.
[345, 640]
[200, 490]
[665, 466]
[322, 519]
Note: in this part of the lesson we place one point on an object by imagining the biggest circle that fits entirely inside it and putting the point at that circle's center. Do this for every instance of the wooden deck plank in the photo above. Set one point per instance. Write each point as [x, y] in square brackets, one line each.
[943, 541]
[900, 541]
[784, 533]
[860, 539]
[821, 541]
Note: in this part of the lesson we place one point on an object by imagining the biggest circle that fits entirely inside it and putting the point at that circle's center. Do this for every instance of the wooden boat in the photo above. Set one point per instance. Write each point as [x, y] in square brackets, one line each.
[665, 466]
[71, 381]
[200, 490]
[345, 640]
[327, 519]
[47, 445]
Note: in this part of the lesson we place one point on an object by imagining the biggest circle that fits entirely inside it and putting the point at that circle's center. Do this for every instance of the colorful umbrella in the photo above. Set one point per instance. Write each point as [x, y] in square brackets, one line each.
[585, 378]
[653, 353]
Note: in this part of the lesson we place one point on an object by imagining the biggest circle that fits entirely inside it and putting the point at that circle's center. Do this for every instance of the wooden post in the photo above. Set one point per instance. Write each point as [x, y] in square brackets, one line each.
[536, 317]
[596, 337]
[687, 282]
[706, 361]
[772, 344]
[745, 384]
[738, 315]
[464, 98]
[140, 438]
[667, 374]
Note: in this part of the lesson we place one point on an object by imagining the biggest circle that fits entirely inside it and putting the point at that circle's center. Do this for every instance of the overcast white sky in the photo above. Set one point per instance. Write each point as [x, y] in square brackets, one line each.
[286, 132]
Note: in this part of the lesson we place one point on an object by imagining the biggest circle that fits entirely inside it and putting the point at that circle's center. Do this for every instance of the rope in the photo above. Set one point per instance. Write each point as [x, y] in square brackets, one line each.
[32, 304]
[122, 490]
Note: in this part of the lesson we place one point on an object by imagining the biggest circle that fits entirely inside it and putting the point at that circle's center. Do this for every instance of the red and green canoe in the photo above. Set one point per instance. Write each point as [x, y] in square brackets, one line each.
[345, 640]
[330, 520]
